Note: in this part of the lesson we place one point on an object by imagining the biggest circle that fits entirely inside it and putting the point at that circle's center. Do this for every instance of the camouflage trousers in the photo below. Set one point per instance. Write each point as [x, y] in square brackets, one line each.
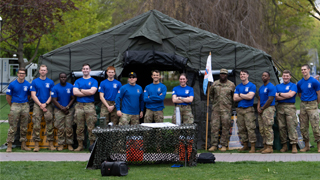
[246, 121]
[287, 119]
[185, 114]
[266, 121]
[125, 119]
[36, 119]
[110, 116]
[85, 113]
[220, 119]
[309, 112]
[63, 122]
[150, 115]
[18, 111]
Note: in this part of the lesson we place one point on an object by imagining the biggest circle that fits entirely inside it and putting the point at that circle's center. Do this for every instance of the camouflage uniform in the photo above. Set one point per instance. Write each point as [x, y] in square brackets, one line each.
[18, 111]
[85, 113]
[246, 120]
[186, 115]
[36, 119]
[63, 122]
[113, 115]
[286, 116]
[266, 121]
[156, 115]
[126, 118]
[221, 96]
[309, 111]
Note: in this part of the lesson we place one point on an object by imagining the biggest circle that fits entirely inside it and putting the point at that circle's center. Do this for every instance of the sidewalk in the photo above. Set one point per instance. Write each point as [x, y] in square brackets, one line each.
[220, 157]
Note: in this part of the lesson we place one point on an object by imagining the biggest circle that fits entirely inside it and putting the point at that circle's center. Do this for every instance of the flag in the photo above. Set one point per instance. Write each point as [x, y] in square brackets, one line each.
[207, 75]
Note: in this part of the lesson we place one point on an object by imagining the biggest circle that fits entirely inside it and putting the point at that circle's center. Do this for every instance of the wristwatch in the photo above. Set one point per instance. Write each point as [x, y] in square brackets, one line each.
[67, 107]
[279, 94]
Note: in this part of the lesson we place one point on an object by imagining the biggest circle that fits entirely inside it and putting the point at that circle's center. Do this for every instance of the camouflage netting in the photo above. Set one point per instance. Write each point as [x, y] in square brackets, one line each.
[138, 144]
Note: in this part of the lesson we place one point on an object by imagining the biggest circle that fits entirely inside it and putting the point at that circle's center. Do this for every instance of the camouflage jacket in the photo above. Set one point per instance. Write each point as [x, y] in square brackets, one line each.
[221, 95]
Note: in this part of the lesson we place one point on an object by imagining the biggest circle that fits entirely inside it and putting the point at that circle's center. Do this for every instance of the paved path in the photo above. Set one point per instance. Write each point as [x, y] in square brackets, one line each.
[220, 157]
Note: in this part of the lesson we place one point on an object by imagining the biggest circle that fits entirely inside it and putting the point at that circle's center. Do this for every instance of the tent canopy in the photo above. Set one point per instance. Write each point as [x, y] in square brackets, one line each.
[156, 41]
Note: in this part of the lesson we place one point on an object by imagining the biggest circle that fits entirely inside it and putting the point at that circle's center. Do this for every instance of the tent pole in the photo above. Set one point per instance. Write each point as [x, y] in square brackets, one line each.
[207, 116]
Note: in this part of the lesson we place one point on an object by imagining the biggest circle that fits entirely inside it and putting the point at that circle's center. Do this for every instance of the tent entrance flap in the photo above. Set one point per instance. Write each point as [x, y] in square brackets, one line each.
[160, 60]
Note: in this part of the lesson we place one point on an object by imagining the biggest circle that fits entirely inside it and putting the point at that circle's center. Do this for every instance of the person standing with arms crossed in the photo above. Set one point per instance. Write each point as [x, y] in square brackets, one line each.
[63, 99]
[286, 112]
[17, 96]
[108, 91]
[154, 95]
[132, 104]
[246, 118]
[85, 88]
[266, 109]
[221, 96]
[309, 93]
[41, 95]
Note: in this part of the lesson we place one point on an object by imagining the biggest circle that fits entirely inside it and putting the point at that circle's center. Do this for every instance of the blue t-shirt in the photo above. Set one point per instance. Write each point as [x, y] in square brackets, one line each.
[132, 99]
[152, 97]
[284, 88]
[86, 84]
[62, 93]
[245, 89]
[265, 92]
[110, 89]
[308, 89]
[186, 91]
[19, 91]
[42, 89]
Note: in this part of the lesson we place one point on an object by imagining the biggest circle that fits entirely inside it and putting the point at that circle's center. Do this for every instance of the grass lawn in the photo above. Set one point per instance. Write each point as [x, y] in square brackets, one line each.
[4, 108]
[168, 110]
[220, 170]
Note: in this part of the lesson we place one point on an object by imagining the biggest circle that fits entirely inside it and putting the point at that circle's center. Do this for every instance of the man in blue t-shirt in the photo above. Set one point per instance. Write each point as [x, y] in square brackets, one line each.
[182, 97]
[85, 88]
[17, 95]
[309, 93]
[131, 96]
[41, 95]
[266, 109]
[108, 91]
[246, 118]
[286, 112]
[63, 98]
[154, 95]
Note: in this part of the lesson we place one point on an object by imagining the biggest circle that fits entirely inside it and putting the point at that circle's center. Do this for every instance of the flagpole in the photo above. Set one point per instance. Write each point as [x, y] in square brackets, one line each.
[207, 114]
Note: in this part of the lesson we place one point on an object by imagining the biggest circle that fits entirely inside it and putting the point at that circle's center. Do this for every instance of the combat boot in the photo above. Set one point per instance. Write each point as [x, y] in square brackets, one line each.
[245, 147]
[268, 150]
[60, 148]
[36, 146]
[24, 146]
[80, 146]
[9, 147]
[284, 148]
[91, 142]
[306, 147]
[223, 149]
[264, 148]
[253, 148]
[213, 148]
[51, 147]
[70, 148]
[318, 143]
[294, 149]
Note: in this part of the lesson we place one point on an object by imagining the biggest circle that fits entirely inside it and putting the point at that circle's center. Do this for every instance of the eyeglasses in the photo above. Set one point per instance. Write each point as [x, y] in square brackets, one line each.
[21, 73]
[131, 77]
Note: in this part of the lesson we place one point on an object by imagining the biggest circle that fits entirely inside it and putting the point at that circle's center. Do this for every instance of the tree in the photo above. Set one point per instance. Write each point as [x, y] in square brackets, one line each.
[26, 21]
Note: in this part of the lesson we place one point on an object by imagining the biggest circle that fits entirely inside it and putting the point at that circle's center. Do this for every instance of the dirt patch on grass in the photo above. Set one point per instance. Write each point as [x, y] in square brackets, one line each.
[168, 102]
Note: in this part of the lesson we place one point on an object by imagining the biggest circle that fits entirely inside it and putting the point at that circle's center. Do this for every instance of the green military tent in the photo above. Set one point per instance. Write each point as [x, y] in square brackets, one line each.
[156, 41]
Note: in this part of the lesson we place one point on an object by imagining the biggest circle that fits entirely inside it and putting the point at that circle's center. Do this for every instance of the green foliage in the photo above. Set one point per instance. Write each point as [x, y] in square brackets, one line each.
[170, 84]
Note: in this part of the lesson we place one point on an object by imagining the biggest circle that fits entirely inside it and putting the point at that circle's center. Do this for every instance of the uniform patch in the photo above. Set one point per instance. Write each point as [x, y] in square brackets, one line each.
[8, 90]
[265, 90]
[288, 87]
[115, 85]
[119, 91]
[138, 91]
[99, 87]
[173, 92]
[309, 85]
[187, 91]
[145, 91]
[89, 83]
[25, 88]
[247, 89]
[30, 87]
[52, 93]
[47, 85]
[159, 89]
[68, 90]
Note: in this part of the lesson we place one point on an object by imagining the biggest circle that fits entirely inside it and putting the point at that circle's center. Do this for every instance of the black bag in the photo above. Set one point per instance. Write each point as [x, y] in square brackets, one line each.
[206, 158]
[118, 168]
